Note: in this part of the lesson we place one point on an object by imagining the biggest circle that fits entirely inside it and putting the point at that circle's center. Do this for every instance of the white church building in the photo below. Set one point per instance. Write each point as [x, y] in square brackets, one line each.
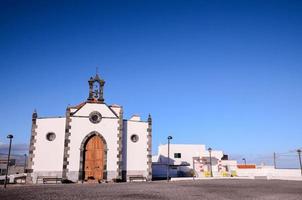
[91, 142]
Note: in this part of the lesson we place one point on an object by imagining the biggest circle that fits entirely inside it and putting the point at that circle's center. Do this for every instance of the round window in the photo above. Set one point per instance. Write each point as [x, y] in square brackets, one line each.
[95, 117]
[51, 136]
[134, 138]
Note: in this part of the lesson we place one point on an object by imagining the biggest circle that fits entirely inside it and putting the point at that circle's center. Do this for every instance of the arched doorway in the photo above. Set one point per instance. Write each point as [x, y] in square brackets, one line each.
[93, 158]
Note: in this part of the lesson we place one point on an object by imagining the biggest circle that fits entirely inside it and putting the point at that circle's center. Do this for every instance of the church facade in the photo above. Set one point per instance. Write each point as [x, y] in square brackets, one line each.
[91, 142]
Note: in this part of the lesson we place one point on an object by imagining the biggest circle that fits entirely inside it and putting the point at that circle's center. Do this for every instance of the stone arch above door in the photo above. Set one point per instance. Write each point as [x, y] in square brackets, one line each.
[82, 154]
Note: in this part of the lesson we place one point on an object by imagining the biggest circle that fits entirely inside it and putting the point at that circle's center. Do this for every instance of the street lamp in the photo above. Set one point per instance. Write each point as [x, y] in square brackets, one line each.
[168, 165]
[244, 161]
[25, 159]
[299, 154]
[10, 137]
[210, 152]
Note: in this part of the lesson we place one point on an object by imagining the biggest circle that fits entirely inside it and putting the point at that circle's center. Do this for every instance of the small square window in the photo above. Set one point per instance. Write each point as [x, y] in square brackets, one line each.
[177, 155]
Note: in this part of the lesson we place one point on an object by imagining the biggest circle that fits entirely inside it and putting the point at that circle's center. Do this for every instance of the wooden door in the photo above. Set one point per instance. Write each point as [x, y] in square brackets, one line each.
[94, 159]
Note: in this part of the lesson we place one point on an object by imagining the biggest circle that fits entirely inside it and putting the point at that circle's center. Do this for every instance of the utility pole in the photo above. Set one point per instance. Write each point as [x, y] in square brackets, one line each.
[299, 154]
[210, 152]
[193, 168]
[10, 137]
[168, 165]
[25, 159]
[275, 160]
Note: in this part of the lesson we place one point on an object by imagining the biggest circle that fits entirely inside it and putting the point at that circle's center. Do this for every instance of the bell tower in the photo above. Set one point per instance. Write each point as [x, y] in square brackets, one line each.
[96, 88]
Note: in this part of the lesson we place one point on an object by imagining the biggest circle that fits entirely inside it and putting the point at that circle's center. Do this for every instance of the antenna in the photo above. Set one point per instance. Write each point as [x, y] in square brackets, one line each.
[97, 70]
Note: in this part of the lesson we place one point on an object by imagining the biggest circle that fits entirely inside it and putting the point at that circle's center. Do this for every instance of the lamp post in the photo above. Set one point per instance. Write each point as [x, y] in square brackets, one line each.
[10, 137]
[25, 159]
[210, 152]
[168, 165]
[244, 161]
[299, 154]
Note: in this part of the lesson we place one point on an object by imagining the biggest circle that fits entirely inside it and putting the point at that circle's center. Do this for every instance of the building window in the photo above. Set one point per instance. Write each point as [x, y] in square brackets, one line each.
[177, 155]
[51, 136]
[95, 117]
[134, 138]
[2, 171]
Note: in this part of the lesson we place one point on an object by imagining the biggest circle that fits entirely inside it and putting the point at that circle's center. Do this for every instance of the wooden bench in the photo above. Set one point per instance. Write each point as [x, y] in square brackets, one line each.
[137, 177]
[46, 179]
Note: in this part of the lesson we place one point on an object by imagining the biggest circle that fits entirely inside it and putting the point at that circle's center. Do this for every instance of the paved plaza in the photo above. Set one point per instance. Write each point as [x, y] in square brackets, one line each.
[182, 190]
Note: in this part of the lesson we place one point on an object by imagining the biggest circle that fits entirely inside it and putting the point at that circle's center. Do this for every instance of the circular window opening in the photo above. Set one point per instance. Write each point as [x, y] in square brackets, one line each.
[51, 136]
[134, 138]
[95, 117]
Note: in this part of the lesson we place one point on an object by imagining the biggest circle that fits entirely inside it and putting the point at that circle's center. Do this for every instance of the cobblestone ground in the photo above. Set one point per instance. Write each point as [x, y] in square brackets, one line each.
[182, 190]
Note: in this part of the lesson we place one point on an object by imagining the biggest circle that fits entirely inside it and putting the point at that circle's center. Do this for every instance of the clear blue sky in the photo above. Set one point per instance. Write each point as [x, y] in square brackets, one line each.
[227, 74]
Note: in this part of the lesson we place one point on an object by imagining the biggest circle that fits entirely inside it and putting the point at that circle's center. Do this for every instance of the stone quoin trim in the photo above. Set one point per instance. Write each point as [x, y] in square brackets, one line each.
[120, 145]
[82, 155]
[32, 147]
[66, 144]
[149, 148]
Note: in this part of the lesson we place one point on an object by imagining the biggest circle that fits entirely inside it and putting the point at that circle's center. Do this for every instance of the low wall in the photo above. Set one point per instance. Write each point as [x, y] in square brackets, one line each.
[269, 172]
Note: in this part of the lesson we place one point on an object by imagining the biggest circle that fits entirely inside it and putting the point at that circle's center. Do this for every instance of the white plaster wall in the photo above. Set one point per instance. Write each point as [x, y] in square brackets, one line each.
[188, 151]
[269, 172]
[73, 109]
[216, 157]
[81, 126]
[231, 164]
[116, 109]
[154, 158]
[136, 152]
[287, 173]
[89, 107]
[49, 154]
[214, 154]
